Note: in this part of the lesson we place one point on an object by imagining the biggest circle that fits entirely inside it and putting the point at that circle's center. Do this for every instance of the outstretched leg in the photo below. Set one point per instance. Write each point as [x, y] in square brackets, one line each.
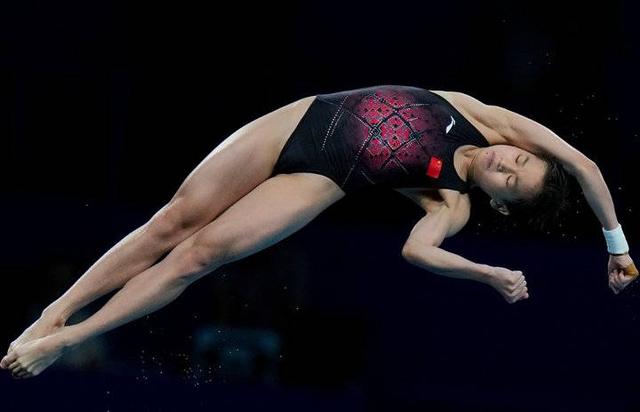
[272, 211]
[235, 167]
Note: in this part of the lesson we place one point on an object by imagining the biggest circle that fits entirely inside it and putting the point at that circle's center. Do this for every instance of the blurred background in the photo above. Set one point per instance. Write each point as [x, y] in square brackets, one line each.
[107, 106]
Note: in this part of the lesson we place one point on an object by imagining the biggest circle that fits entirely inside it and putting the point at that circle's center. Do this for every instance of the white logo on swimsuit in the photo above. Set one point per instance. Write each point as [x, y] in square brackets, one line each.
[453, 121]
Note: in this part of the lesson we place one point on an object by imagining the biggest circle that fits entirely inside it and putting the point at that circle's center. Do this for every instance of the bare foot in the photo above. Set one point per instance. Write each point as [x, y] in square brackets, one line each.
[31, 358]
[42, 327]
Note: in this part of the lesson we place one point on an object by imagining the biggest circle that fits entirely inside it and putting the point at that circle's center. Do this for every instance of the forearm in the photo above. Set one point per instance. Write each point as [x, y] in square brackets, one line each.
[442, 262]
[143, 294]
[130, 256]
[597, 195]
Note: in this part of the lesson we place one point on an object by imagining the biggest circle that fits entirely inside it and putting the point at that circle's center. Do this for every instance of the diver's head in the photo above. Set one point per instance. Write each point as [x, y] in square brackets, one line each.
[520, 184]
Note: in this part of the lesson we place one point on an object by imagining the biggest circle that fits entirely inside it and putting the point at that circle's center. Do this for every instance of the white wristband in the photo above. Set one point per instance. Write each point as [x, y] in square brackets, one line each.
[616, 242]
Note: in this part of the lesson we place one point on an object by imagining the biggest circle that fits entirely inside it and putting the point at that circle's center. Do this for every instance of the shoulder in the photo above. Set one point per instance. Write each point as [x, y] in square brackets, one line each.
[452, 212]
[466, 101]
[459, 206]
[491, 120]
[436, 201]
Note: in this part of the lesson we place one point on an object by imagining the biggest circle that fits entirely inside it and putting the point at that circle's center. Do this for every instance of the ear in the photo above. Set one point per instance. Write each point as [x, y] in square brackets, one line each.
[499, 207]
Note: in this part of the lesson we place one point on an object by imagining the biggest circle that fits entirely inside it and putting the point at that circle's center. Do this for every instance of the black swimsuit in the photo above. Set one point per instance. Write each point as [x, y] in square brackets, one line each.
[390, 136]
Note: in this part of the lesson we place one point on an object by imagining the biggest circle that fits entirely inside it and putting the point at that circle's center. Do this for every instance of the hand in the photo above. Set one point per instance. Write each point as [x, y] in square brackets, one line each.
[511, 284]
[622, 272]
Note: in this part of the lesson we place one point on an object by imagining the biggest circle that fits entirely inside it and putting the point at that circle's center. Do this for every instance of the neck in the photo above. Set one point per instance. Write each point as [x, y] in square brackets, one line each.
[469, 157]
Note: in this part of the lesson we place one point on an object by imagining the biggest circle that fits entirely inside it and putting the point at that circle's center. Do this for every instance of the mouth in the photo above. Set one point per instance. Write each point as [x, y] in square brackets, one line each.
[490, 159]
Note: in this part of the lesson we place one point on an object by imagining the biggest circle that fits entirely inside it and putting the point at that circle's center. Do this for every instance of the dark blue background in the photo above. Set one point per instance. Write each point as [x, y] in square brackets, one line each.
[107, 106]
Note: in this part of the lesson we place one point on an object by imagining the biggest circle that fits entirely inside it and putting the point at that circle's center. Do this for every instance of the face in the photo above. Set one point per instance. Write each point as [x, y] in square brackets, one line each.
[507, 172]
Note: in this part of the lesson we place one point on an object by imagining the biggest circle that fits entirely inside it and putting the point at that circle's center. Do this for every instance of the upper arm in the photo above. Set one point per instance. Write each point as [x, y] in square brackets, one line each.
[520, 131]
[417, 196]
[538, 139]
[435, 226]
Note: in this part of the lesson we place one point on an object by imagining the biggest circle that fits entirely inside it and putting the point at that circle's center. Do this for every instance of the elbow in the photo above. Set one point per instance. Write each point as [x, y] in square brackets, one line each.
[407, 252]
[412, 252]
[578, 164]
[591, 164]
[586, 166]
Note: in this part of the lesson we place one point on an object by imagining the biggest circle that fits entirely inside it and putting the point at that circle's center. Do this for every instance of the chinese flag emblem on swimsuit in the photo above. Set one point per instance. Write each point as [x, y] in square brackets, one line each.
[435, 166]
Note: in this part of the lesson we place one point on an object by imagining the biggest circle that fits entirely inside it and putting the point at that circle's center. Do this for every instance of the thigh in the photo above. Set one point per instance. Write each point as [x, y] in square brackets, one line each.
[272, 211]
[236, 166]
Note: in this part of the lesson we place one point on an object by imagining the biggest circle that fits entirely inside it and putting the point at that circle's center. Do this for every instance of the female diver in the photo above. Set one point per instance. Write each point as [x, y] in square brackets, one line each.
[275, 174]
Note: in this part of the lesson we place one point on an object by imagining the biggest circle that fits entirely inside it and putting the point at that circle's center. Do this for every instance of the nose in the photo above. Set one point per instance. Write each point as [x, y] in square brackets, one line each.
[502, 166]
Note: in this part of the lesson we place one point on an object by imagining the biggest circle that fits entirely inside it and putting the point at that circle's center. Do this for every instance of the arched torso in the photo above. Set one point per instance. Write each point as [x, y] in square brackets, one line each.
[454, 198]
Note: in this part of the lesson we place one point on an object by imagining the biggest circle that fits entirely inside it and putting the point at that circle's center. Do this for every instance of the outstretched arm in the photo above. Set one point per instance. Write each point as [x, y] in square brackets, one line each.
[520, 131]
[536, 138]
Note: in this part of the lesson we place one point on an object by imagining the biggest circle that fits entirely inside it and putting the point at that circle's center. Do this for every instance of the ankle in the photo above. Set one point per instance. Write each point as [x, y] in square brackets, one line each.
[55, 317]
[71, 336]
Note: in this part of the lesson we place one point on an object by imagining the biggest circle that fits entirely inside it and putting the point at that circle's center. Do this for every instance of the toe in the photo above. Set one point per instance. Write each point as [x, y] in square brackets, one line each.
[9, 359]
[21, 374]
[15, 367]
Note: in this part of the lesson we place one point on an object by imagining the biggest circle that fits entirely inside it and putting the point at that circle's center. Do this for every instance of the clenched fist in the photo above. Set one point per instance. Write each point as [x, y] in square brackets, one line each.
[511, 284]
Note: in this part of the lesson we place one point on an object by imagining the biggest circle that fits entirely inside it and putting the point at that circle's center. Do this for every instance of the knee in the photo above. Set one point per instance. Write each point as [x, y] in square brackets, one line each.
[198, 256]
[169, 221]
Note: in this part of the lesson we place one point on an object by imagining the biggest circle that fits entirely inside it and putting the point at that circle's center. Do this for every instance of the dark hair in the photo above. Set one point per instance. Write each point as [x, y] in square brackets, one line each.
[543, 211]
